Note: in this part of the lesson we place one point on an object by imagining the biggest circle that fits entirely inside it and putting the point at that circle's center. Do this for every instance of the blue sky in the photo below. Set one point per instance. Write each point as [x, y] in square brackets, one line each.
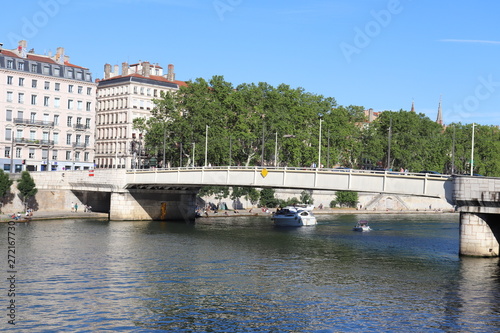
[380, 54]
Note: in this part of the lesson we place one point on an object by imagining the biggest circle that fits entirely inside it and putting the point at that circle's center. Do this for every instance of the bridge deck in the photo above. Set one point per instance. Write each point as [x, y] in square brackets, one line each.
[295, 178]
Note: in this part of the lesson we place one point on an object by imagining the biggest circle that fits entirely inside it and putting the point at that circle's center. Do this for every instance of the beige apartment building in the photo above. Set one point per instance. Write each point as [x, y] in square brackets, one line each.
[120, 99]
[48, 112]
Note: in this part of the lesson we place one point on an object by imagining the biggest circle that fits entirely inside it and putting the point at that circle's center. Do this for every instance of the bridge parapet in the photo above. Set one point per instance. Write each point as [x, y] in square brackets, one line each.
[477, 194]
[104, 180]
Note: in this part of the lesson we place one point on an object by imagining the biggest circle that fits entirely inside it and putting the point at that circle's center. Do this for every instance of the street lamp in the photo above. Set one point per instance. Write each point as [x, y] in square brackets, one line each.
[206, 144]
[319, 144]
[276, 150]
[194, 146]
[472, 152]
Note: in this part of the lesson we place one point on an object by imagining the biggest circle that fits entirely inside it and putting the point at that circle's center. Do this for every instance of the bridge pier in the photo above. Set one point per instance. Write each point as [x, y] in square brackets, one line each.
[478, 234]
[158, 205]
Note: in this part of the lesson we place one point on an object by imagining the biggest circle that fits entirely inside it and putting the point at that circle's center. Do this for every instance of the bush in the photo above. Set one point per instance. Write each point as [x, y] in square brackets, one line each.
[345, 199]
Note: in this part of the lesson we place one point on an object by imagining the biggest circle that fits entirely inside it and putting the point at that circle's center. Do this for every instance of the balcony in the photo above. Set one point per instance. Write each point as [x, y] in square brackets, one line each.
[33, 142]
[30, 122]
[80, 127]
[80, 145]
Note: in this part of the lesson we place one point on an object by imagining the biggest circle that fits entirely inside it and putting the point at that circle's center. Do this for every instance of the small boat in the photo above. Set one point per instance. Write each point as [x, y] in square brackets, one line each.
[362, 226]
[294, 216]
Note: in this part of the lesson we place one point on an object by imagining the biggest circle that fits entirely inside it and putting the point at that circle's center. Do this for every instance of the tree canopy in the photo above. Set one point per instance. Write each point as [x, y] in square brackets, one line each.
[259, 124]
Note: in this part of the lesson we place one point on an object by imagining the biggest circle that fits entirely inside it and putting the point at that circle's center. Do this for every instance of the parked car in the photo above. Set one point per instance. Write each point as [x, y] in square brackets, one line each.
[430, 173]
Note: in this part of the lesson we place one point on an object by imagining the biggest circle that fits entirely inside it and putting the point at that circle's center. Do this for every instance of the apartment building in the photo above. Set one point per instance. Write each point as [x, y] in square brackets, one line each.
[47, 112]
[120, 99]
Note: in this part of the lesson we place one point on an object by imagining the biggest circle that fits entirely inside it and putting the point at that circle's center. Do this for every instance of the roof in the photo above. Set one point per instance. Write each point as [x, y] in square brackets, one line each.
[37, 57]
[150, 77]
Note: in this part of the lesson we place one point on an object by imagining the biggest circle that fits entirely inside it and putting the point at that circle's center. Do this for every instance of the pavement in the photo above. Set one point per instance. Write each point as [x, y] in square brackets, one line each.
[60, 215]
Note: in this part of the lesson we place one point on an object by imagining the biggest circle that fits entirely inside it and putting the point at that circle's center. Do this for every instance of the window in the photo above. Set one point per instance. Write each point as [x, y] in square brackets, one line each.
[69, 73]
[10, 64]
[32, 117]
[57, 102]
[78, 139]
[21, 82]
[20, 66]
[79, 121]
[7, 152]
[70, 88]
[33, 99]
[87, 123]
[87, 140]
[34, 68]
[54, 155]
[57, 86]
[46, 101]
[31, 153]
[86, 156]
[57, 71]
[9, 96]
[80, 89]
[9, 79]
[19, 134]
[20, 115]
[79, 75]
[33, 83]
[89, 105]
[8, 134]
[68, 139]
[77, 156]
[69, 121]
[89, 91]
[45, 153]
[46, 70]
[70, 104]
[88, 77]
[20, 98]
[47, 85]
[18, 152]
[8, 115]
[32, 135]
[56, 120]
[45, 136]
[79, 105]
[68, 155]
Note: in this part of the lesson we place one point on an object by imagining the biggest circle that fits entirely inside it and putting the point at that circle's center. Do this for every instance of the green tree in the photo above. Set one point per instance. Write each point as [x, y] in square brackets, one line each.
[26, 186]
[267, 198]
[345, 199]
[5, 184]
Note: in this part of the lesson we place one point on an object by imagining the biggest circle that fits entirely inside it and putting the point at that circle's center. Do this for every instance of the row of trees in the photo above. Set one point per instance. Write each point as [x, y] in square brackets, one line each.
[258, 124]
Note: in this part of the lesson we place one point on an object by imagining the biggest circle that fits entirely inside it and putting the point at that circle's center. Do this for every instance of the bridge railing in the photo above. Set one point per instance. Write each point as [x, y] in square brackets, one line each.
[310, 169]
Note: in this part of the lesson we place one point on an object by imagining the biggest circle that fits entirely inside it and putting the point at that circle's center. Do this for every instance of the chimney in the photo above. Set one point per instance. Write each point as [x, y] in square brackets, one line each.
[124, 68]
[107, 71]
[146, 68]
[370, 115]
[1, 46]
[116, 71]
[66, 59]
[21, 48]
[59, 55]
[170, 73]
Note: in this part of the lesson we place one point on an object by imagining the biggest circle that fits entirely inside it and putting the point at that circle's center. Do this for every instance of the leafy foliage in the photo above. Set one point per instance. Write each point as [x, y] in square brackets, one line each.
[345, 199]
[26, 186]
[267, 198]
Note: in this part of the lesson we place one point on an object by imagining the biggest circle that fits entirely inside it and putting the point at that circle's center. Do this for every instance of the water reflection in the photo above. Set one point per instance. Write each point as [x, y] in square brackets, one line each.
[243, 274]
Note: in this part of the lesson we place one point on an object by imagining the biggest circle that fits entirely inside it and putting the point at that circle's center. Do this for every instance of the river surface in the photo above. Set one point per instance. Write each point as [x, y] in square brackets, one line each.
[244, 275]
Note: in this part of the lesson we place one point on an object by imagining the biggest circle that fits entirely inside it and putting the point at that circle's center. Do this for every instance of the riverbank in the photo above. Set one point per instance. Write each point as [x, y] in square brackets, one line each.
[58, 215]
[324, 211]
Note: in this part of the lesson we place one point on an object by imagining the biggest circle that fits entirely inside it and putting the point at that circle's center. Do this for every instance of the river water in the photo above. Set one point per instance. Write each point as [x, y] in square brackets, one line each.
[244, 275]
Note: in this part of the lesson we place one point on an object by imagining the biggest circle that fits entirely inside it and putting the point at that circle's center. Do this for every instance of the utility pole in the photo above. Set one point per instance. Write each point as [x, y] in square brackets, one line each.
[472, 152]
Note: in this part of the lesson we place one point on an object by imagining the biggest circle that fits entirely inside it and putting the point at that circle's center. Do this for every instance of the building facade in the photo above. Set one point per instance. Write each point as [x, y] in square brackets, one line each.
[120, 99]
[48, 112]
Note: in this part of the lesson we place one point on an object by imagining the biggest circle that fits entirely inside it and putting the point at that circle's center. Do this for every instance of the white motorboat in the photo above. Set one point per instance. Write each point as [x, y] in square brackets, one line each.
[294, 216]
[362, 226]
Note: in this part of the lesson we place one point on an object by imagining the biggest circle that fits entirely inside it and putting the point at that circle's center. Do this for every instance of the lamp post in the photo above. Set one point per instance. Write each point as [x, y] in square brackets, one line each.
[472, 152]
[319, 144]
[263, 128]
[194, 146]
[164, 144]
[206, 144]
[276, 150]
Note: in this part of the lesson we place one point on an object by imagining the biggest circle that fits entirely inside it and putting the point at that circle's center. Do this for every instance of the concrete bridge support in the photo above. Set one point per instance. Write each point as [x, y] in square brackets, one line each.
[158, 205]
[479, 234]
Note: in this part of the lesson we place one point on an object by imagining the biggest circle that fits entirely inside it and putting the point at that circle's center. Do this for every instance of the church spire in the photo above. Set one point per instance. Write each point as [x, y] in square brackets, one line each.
[412, 106]
[439, 118]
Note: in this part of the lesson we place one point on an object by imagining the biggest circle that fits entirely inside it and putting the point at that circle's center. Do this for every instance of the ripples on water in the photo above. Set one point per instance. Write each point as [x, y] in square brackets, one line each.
[244, 275]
